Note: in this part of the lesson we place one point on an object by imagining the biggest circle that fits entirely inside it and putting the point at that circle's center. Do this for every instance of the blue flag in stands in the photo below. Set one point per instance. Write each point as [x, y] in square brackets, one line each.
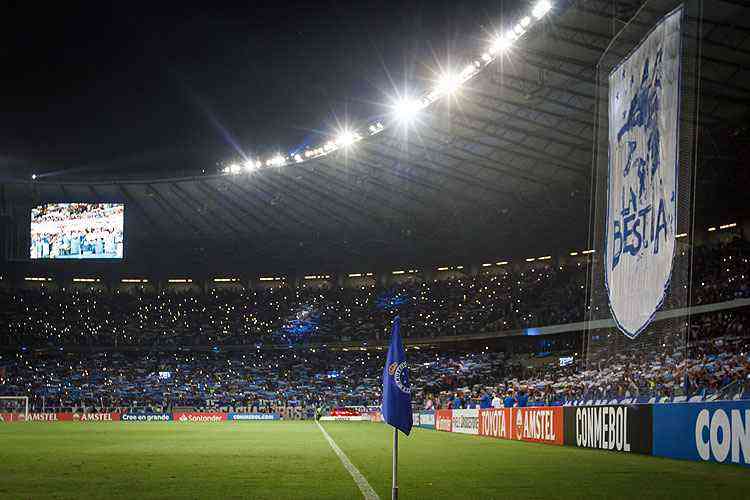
[396, 389]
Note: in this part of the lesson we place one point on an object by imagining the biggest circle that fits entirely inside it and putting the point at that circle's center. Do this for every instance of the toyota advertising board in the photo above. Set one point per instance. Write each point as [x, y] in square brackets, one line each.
[495, 423]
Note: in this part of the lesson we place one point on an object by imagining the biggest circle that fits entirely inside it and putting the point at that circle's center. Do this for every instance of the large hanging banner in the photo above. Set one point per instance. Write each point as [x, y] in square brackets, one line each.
[644, 109]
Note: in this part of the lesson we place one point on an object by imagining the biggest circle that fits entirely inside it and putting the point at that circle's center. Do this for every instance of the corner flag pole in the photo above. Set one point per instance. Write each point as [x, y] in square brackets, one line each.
[396, 406]
[394, 489]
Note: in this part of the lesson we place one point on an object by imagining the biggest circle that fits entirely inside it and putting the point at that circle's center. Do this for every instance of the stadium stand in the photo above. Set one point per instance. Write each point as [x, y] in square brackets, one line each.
[266, 348]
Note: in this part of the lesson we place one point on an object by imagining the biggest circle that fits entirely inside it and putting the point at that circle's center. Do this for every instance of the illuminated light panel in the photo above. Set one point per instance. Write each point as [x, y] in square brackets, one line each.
[180, 280]
[501, 263]
[488, 264]
[681, 235]
[370, 274]
[727, 226]
[530, 259]
[355, 275]
[397, 272]
[573, 254]
[711, 229]
[346, 138]
[444, 268]
[226, 280]
[235, 168]
[133, 280]
[541, 9]
[36, 278]
[449, 83]
[588, 251]
[501, 44]
[86, 280]
[546, 257]
[406, 109]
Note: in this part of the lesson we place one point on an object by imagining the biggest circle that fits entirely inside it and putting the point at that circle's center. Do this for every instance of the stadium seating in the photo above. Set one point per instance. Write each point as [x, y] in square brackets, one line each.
[229, 348]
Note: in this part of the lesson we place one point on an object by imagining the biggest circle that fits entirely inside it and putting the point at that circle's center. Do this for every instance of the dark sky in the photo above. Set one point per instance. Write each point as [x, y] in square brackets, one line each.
[123, 86]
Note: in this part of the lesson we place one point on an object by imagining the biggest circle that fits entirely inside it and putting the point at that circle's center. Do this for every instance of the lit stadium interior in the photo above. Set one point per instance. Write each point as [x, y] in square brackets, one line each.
[410, 290]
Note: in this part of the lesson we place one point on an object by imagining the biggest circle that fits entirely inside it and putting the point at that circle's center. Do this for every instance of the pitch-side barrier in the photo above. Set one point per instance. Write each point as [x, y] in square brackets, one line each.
[706, 431]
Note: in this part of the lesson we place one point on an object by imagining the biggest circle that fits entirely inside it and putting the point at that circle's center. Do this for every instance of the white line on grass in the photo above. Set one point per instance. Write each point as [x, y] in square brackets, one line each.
[362, 483]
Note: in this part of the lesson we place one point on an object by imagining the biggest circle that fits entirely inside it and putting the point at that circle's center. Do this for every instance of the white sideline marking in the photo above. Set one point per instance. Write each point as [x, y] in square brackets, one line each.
[362, 483]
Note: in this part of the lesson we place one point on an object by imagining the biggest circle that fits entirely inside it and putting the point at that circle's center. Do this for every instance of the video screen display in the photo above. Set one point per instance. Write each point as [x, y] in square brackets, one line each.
[77, 231]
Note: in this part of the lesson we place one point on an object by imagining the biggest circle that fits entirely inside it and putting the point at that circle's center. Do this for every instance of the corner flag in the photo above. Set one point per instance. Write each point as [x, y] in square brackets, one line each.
[396, 406]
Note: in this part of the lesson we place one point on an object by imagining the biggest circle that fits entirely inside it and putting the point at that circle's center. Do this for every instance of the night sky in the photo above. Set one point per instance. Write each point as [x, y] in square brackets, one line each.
[106, 89]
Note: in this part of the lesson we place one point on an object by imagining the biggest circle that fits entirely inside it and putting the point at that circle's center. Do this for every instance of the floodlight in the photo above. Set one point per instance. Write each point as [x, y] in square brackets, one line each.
[33, 177]
[525, 22]
[448, 83]
[501, 44]
[346, 138]
[541, 8]
[234, 168]
[251, 165]
[406, 109]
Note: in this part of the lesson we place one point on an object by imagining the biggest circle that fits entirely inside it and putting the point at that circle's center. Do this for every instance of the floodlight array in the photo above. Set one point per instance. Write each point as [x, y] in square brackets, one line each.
[406, 109]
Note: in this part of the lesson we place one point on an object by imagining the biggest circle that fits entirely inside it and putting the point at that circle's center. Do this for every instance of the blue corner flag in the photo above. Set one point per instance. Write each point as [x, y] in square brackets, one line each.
[396, 389]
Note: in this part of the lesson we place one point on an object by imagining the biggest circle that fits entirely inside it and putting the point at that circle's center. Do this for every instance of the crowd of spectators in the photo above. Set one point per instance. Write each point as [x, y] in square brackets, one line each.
[264, 348]
[312, 377]
[509, 299]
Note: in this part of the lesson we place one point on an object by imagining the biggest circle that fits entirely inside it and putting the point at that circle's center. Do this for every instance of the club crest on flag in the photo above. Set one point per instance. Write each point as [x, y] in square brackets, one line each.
[642, 191]
[400, 374]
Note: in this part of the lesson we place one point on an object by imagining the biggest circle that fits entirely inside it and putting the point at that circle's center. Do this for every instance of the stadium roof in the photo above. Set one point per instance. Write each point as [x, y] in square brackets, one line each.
[499, 168]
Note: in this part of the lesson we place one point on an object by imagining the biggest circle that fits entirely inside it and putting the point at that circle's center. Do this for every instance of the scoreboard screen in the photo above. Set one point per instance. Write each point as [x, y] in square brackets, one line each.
[77, 231]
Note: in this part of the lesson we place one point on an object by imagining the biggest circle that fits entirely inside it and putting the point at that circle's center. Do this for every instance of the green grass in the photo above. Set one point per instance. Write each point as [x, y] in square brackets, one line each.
[293, 460]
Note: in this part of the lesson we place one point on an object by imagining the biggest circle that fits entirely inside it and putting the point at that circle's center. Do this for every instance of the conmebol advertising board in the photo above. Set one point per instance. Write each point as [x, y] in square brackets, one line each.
[615, 428]
[716, 432]
[252, 416]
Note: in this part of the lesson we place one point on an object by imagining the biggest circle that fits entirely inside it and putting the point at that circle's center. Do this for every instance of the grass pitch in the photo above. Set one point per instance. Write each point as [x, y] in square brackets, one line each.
[293, 460]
